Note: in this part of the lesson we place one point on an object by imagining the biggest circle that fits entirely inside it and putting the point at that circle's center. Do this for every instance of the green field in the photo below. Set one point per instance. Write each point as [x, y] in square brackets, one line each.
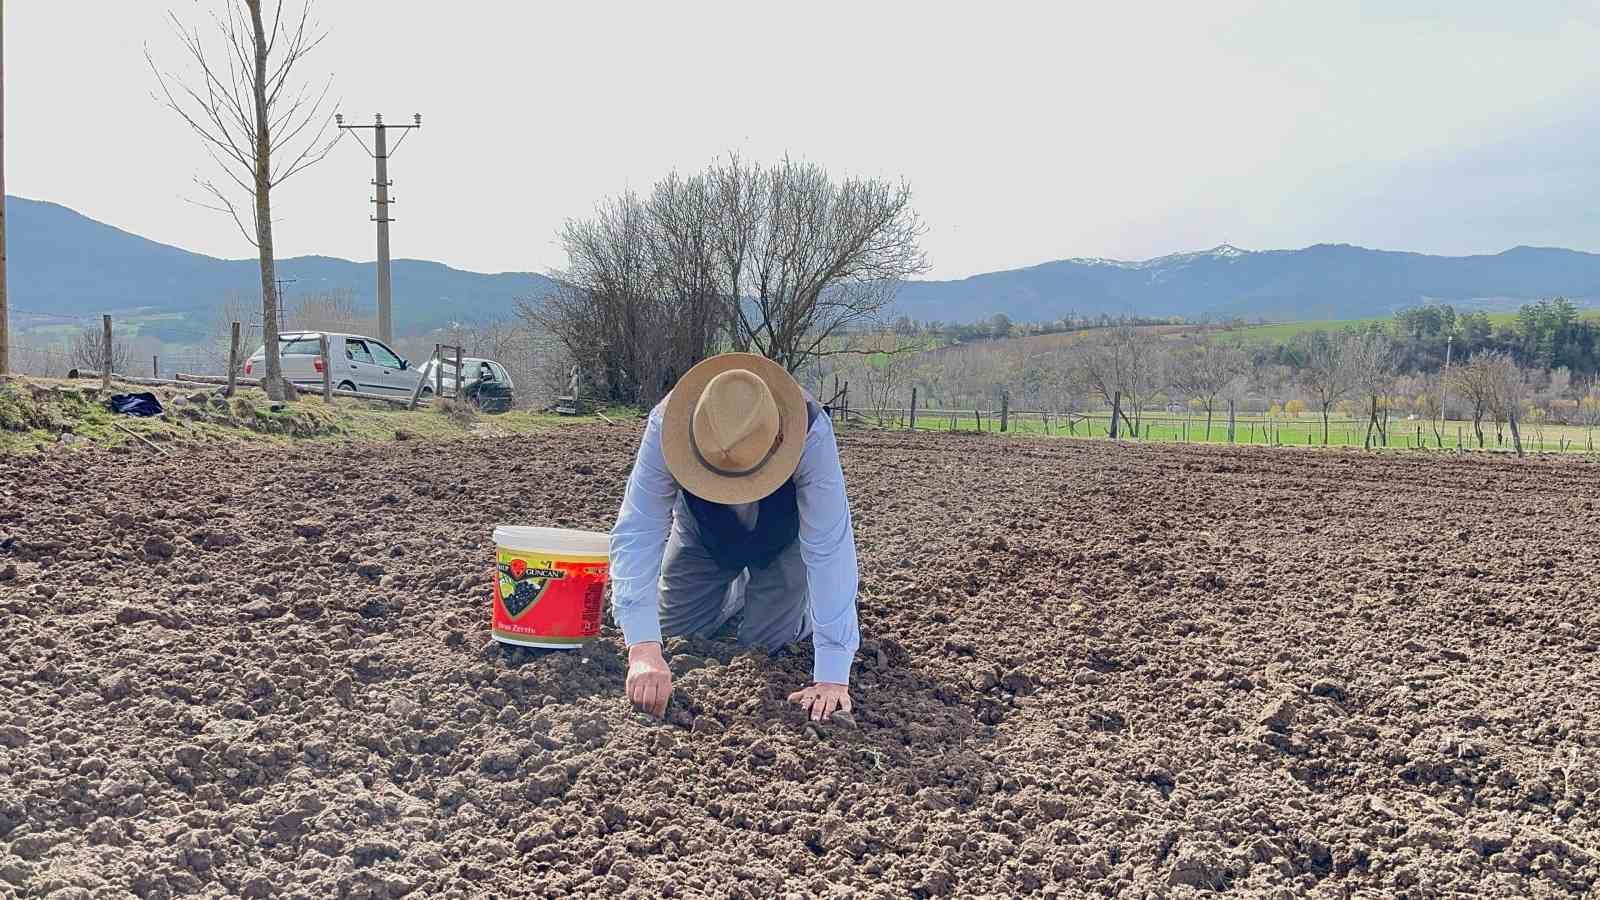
[1283, 332]
[1292, 431]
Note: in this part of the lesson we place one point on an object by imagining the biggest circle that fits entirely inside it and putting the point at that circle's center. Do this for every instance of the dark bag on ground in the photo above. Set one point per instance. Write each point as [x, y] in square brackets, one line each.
[135, 404]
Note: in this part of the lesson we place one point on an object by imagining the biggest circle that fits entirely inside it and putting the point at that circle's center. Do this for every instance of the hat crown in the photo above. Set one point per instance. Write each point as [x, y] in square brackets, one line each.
[736, 421]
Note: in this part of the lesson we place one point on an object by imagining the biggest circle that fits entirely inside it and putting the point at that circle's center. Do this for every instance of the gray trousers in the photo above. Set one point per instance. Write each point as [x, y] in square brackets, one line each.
[699, 596]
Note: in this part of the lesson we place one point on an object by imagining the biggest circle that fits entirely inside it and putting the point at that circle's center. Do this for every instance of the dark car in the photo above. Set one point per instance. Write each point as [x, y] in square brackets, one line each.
[488, 384]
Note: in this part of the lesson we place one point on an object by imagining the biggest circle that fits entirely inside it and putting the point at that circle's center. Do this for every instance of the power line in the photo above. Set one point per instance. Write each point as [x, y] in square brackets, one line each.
[380, 152]
[5, 328]
[48, 315]
[281, 302]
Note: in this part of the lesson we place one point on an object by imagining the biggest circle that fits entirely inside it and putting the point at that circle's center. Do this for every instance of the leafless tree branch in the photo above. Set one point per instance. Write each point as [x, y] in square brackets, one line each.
[258, 125]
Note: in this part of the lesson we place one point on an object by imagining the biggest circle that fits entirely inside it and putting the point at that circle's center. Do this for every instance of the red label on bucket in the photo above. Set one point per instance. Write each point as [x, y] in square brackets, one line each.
[548, 601]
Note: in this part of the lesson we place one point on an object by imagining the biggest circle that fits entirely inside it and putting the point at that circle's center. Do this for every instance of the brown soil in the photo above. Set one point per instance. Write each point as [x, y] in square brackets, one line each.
[1088, 670]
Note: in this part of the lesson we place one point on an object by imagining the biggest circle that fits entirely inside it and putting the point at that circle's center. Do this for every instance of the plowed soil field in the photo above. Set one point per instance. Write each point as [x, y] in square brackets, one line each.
[1088, 670]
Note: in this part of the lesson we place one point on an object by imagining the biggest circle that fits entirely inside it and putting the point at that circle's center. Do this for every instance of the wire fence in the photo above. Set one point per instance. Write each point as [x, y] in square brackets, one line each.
[1259, 430]
[59, 362]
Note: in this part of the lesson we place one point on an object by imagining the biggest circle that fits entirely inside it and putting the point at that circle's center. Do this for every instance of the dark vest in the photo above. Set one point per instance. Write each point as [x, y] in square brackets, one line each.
[736, 547]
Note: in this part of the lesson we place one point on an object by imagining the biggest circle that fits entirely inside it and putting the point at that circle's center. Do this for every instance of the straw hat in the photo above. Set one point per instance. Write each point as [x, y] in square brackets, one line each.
[733, 428]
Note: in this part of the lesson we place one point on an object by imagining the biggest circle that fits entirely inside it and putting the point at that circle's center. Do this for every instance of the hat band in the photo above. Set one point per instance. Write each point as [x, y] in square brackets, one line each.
[730, 473]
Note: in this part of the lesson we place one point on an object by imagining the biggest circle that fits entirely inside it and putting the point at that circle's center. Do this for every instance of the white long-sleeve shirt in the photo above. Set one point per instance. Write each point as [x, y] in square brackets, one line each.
[827, 546]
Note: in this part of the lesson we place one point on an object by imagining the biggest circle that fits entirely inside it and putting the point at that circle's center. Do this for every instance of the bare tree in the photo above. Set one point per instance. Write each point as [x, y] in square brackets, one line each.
[257, 124]
[1589, 410]
[1323, 372]
[1063, 390]
[636, 305]
[1370, 359]
[239, 307]
[1204, 369]
[1508, 390]
[331, 310]
[782, 261]
[801, 258]
[1125, 360]
[882, 381]
[88, 351]
[1475, 382]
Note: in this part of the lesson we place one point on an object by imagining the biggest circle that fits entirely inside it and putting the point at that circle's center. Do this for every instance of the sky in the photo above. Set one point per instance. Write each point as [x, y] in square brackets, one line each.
[1027, 131]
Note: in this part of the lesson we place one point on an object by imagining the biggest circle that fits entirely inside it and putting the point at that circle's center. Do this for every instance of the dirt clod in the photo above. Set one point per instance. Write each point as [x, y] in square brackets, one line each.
[1278, 714]
[1328, 687]
[116, 686]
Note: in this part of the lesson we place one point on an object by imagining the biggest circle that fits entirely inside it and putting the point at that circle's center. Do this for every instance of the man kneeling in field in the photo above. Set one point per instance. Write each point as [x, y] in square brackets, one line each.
[736, 504]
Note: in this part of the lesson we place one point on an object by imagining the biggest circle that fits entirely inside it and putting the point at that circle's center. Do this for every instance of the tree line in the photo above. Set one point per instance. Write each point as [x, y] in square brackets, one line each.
[1528, 372]
[1548, 334]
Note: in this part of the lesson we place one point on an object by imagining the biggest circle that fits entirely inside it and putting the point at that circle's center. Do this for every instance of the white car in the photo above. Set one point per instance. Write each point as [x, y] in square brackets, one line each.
[360, 363]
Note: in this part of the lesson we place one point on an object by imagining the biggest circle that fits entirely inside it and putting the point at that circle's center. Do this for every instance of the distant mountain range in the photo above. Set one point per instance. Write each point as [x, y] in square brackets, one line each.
[1325, 281]
[60, 261]
[63, 262]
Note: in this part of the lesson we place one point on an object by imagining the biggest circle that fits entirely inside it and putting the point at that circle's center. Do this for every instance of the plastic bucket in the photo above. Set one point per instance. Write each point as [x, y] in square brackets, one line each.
[549, 586]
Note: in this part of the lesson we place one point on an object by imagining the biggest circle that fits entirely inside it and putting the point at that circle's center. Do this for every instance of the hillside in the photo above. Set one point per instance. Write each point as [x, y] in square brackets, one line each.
[1326, 281]
[63, 262]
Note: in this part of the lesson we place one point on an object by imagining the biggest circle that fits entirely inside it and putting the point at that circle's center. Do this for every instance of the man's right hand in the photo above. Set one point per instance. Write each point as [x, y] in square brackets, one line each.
[649, 684]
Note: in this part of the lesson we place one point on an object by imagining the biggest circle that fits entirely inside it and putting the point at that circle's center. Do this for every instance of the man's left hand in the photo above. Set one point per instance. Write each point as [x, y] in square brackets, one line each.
[823, 699]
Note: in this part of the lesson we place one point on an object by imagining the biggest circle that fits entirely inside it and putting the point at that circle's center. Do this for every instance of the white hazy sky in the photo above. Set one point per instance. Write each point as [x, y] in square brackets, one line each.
[1029, 131]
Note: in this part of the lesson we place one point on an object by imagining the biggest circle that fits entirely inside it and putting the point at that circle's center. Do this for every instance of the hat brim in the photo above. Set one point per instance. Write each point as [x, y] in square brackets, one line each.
[685, 465]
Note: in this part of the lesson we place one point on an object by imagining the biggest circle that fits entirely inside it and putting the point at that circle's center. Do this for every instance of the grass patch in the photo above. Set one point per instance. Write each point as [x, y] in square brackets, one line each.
[1284, 332]
[43, 414]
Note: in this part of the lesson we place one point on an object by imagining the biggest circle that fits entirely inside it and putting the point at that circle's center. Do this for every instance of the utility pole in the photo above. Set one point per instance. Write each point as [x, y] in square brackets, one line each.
[5, 329]
[1444, 379]
[380, 152]
[281, 304]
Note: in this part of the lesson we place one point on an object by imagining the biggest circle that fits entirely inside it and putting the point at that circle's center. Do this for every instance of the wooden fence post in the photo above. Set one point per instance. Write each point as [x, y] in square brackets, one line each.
[327, 368]
[913, 409]
[1005, 411]
[105, 352]
[1116, 413]
[438, 373]
[1230, 421]
[233, 359]
[155, 367]
[461, 378]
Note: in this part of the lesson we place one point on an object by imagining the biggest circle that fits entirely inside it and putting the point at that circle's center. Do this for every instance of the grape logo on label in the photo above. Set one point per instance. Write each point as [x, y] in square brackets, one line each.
[522, 586]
